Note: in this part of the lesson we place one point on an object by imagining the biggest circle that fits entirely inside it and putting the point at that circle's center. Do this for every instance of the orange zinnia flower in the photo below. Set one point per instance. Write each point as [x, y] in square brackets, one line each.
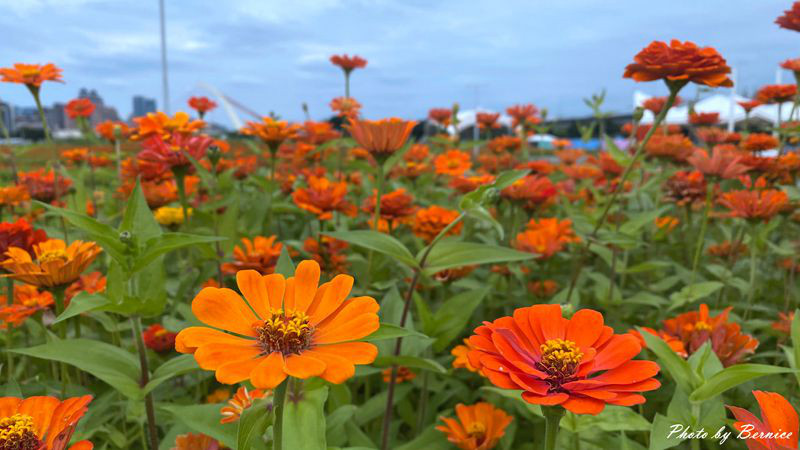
[346, 107]
[721, 164]
[322, 197]
[91, 283]
[695, 328]
[348, 63]
[395, 206]
[381, 137]
[757, 142]
[260, 254]
[111, 131]
[656, 104]
[532, 191]
[13, 195]
[196, 441]
[317, 133]
[465, 184]
[790, 19]
[502, 144]
[441, 116]
[79, 107]
[680, 62]
[667, 223]
[286, 327]
[524, 115]
[160, 124]
[41, 423]
[460, 353]
[75, 155]
[779, 428]
[487, 120]
[791, 64]
[704, 118]
[31, 75]
[557, 361]
[429, 222]
[403, 374]
[543, 288]
[27, 301]
[685, 188]
[674, 146]
[452, 162]
[202, 105]
[479, 426]
[776, 93]
[754, 204]
[56, 263]
[272, 132]
[674, 343]
[727, 250]
[330, 255]
[784, 322]
[242, 400]
[158, 338]
[546, 236]
[749, 105]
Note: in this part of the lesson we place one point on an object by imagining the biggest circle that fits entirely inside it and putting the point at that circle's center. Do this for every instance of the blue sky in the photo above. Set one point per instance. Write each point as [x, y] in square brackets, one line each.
[273, 55]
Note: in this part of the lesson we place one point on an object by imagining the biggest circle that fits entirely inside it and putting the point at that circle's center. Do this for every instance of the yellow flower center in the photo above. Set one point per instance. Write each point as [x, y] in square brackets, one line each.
[476, 430]
[17, 433]
[702, 326]
[560, 359]
[53, 255]
[286, 332]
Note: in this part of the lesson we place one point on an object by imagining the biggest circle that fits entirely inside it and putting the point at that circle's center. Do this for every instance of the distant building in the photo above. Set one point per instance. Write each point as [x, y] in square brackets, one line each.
[142, 105]
[7, 117]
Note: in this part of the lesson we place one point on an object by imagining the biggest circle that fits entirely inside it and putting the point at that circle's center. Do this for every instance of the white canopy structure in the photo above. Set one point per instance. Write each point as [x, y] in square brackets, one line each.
[725, 105]
[466, 118]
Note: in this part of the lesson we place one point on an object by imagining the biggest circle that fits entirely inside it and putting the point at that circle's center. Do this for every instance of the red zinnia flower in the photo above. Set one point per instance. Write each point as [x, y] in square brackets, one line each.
[202, 105]
[157, 338]
[441, 116]
[680, 62]
[80, 107]
[776, 93]
[790, 19]
[578, 363]
[348, 63]
[487, 120]
[749, 105]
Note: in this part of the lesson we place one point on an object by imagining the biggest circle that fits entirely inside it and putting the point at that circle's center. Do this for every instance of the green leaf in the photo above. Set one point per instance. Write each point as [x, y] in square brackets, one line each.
[284, 266]
[81, 303]
[677, 367]
[304, 421]
[448, 254]
[252, 425]
[694, 292]
[731, 377]
[106, 236]
[107, 362]
[138, 219]
[379, 242]
[375, 406]
[660, 433]
[453, 316]
[203, 419]
[483, 194]
[179, 365]
[389, 331]
[413, 362]
[168, 242]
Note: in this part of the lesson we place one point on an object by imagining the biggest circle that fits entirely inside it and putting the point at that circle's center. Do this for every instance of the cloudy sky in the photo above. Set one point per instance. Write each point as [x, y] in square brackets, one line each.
[272, 55]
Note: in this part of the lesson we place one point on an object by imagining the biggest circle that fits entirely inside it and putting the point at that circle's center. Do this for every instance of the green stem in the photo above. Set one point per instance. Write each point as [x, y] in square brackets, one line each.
[552, 417]
[279, 402]
[701, 238]
[136, 326]
[180, 181]
[753, 253]
[576, 272]
[9, 291]
[347, 84]
[378, 193]
[45, 128]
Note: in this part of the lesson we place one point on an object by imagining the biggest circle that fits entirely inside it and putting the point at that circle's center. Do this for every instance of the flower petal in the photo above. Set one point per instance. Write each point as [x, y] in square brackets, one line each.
[224, 309]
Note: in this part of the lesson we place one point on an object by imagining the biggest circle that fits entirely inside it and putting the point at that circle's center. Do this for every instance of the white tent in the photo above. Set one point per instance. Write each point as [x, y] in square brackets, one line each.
[466, 118]
[725, 105]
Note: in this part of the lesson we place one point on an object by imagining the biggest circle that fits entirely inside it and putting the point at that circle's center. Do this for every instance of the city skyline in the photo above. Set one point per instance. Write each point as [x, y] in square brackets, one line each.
[256, 53]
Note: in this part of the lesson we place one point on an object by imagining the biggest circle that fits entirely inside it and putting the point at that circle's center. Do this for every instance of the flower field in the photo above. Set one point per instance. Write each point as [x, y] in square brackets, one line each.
[354, 284]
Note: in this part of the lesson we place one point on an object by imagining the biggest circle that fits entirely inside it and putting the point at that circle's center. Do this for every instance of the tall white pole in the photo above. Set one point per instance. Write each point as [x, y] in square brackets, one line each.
[164, 80]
